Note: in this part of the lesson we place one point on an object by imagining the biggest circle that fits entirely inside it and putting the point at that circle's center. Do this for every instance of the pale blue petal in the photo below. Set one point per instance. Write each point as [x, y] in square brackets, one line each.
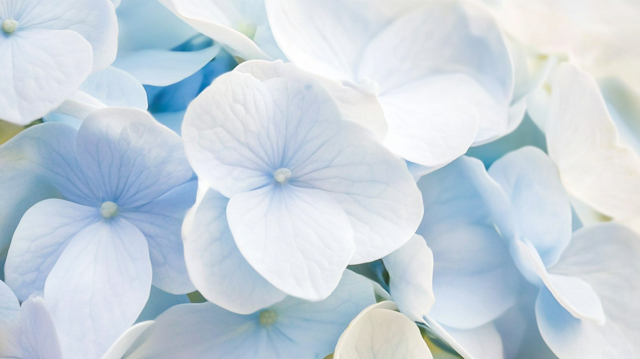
[216, 266]
[98, 287]
[301, 329]
[147, 24]
[475, 279]
[39, 339]
[116, 88]
[410, 278]
[129, 157]
[127, 340]
[159, 301]
[164, 67]
[38, 163]
[161, 222]
[606, 257]
[43, 233]
[569, 337]
[298, 239]
[479, 343]
[9, 305]
[9, 323]
[540, 203]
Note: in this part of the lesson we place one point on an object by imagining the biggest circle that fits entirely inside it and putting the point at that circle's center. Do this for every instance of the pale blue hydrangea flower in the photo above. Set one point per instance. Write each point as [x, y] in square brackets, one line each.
[440, 71]
[110, 87]
[28, 331]
[241, 26]
[309, 193]
[48, 49]
[158, 48]
[588, 280]
[100, 211]
[293, 328]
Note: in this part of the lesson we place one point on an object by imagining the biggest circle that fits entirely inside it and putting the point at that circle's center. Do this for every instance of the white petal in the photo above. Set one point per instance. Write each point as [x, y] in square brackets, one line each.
[446, 37]
[431, 122]
[118, 143]
[95, 20]
[299, 239]
[39, 338]
[541, 205]
[42, 235]
[328, 37]
[605, 256]
[223, 132]
[242, 26]
[411, 275]
[583, 141]
[104, 274]
[126, 340]
[40, 69]
[162, 67]
[216, 266]
[379, 332]
[355, 105]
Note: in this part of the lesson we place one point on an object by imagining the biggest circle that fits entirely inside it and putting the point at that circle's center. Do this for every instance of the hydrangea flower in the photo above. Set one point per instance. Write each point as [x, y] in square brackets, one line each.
[29, 332]
[583, 277]
[103, 207]
[48, 49]
[309, 193]
[440, 71]
[240, 25]
[293, 328]
[158, 48]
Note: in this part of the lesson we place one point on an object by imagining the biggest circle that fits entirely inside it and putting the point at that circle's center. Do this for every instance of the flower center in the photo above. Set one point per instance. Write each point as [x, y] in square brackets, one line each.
[108, 209]
[282, 175]
[9, 26]
[268, 317]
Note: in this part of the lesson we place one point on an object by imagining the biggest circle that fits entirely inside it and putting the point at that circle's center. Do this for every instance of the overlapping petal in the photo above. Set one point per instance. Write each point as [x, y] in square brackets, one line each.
[294, 328]
[466, 226]
[42, 235]
[98, 286]
[216, 266]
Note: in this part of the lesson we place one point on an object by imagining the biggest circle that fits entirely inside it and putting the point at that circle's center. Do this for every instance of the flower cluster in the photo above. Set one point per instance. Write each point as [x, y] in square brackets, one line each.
[315, 179]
